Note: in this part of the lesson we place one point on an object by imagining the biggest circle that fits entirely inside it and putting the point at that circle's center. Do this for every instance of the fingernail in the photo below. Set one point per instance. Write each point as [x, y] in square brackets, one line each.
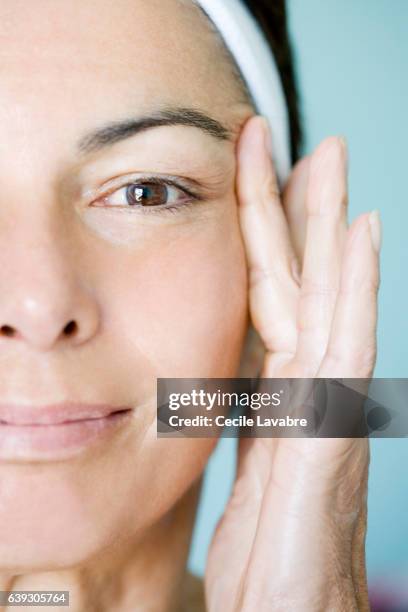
[267, 135]
[344, 144]
[327, 190]
[375, 229]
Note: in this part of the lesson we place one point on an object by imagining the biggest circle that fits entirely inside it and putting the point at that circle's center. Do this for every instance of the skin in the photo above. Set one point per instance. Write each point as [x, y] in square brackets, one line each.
[296, 519]
[115, 521]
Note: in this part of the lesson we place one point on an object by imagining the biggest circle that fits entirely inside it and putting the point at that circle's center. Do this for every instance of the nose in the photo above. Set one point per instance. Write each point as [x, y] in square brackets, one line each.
[44, 300]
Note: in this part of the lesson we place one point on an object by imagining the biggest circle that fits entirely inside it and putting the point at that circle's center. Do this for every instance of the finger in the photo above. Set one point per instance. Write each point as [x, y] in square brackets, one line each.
[273, 291]
[351, 350]
[294, 205]
[326, 203]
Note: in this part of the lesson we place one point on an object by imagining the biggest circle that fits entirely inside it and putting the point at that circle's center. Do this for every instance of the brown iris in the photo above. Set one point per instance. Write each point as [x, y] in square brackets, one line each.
[146, 194]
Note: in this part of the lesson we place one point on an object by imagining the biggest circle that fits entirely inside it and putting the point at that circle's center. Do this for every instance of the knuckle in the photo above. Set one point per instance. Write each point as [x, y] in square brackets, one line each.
[344, 200]
[260, 274]
[365, 361]
[357, 363]
[363, 286]
[276, 274]
[270, 190]
[311, 287]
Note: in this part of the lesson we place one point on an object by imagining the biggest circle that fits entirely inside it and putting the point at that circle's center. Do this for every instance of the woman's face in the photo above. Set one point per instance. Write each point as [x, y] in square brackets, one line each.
[100, 296]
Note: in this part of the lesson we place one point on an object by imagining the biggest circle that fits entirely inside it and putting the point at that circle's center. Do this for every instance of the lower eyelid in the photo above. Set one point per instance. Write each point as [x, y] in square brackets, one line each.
[168, 209]
[151, 210]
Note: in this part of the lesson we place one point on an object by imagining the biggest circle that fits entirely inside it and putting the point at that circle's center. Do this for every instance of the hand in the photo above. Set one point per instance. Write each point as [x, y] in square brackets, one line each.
[293, 533]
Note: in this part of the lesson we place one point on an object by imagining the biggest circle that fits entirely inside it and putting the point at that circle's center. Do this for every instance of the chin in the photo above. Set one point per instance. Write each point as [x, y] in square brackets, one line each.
[62, 514]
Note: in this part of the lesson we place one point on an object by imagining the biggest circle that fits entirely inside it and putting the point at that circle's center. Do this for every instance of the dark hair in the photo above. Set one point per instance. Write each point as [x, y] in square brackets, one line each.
[272, 17]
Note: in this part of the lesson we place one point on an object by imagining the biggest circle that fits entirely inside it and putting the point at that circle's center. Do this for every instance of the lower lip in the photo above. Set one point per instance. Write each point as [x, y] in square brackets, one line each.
[59, 441]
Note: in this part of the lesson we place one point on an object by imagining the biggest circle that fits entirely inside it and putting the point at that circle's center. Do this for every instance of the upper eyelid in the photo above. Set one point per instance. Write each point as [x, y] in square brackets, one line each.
[122, 181]
[143, 181]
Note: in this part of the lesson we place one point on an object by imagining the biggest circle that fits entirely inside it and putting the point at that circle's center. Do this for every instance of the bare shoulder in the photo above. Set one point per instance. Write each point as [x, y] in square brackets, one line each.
[195, 600]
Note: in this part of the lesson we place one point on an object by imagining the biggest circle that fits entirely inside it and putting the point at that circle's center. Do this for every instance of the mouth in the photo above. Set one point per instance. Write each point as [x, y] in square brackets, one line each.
[56, 431]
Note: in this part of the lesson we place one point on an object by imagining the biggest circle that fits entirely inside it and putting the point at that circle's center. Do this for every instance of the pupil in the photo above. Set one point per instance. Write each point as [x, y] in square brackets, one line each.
[146, 194]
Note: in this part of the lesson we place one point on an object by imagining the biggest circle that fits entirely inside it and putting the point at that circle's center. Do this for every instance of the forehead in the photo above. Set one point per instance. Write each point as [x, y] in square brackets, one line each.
[104, 50]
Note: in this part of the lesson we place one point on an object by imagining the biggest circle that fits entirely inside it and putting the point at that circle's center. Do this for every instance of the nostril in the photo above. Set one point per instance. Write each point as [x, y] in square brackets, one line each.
[6, 330]
[70, 328]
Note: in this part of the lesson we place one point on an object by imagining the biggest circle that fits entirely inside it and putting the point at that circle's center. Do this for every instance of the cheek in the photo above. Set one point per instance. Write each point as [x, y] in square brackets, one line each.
[181, 300]
[175, 306]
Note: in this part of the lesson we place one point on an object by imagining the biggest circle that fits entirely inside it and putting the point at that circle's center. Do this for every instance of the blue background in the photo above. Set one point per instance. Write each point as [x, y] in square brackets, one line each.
[352, 69]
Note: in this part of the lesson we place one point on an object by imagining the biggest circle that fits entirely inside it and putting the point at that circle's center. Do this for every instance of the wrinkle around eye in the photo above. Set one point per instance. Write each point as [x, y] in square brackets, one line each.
[121, 228]
[183, 154]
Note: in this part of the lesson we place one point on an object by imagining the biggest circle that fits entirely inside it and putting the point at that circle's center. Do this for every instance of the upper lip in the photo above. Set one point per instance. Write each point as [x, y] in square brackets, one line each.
[53, 414]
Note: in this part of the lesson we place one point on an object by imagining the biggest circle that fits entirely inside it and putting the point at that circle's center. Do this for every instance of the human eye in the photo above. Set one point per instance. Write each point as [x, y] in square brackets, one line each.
[148, 194]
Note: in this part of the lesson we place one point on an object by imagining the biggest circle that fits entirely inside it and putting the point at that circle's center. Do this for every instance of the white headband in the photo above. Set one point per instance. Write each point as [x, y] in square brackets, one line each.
[251, 51]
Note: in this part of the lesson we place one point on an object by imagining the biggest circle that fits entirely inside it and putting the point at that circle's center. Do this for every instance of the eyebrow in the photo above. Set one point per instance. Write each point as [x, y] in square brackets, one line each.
[116, 131]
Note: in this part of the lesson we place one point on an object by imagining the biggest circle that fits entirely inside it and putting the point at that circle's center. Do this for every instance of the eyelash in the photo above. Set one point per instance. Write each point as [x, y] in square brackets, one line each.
[181, 184]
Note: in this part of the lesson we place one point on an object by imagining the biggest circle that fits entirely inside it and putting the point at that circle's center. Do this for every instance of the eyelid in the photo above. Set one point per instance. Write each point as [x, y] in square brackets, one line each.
[191, 196]
[191, 186]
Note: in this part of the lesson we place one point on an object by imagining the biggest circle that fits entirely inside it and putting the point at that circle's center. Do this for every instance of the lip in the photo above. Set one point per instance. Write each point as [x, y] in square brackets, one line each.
[56, 431]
